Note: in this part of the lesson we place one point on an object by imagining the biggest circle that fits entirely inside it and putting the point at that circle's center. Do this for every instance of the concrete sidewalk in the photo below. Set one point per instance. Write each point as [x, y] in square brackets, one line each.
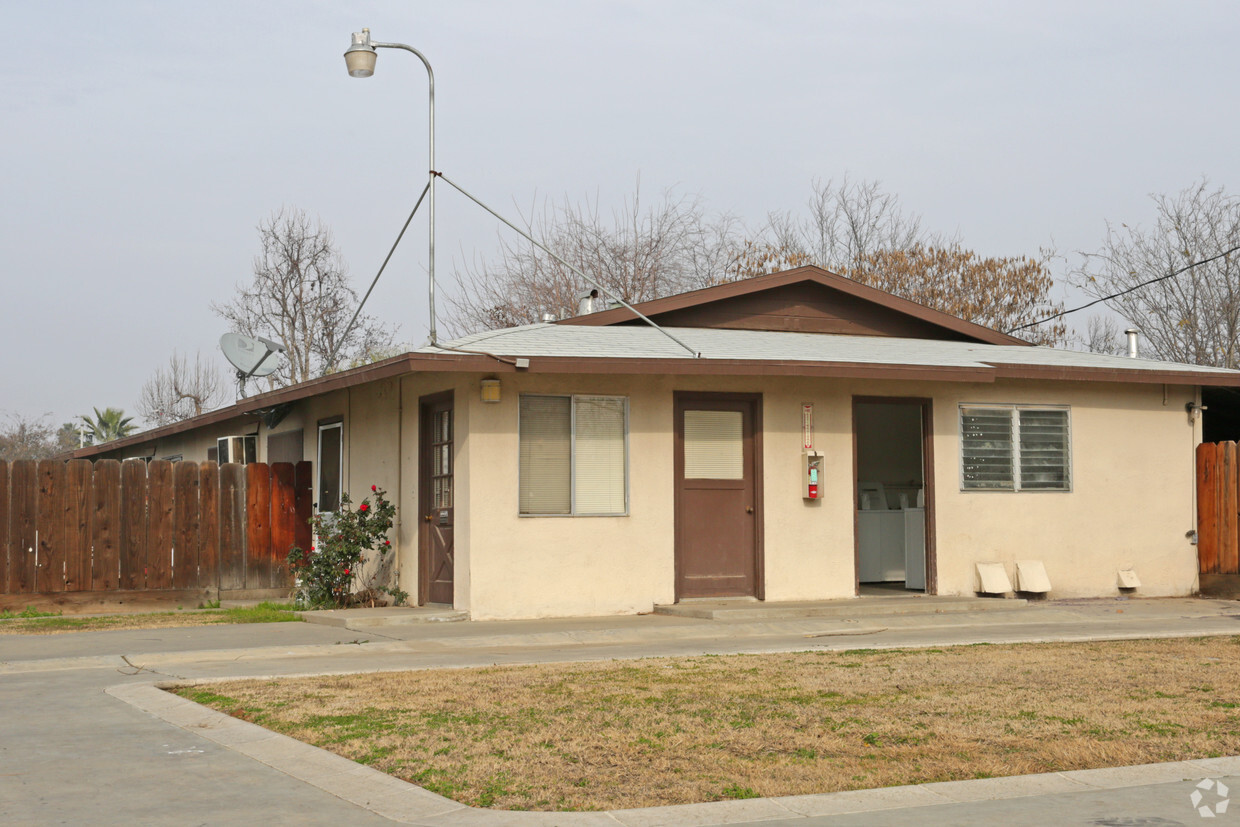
[87, 739]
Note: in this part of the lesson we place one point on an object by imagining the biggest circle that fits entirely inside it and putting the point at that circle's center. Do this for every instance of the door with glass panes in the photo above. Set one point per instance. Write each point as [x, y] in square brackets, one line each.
[435, 492]
[718, 495]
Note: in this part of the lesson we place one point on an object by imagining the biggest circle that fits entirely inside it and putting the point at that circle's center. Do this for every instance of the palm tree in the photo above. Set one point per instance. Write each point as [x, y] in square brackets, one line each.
[109, 424]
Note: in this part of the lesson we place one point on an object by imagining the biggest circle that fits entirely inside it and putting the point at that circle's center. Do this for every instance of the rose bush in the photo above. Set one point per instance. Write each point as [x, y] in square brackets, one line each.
[327, 570]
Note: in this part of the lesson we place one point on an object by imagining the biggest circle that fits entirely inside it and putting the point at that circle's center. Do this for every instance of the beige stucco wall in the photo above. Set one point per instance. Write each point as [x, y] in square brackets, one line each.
[1131, 504]
[1130, 507]
[547, 566]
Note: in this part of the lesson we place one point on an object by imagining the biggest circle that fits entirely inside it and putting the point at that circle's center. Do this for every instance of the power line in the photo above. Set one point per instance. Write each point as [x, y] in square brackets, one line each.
[1170, 275]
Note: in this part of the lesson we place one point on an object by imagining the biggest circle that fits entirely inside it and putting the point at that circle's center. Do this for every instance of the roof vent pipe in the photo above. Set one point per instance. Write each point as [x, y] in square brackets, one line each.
[1131, 333]
[548, 318]
[588, 302]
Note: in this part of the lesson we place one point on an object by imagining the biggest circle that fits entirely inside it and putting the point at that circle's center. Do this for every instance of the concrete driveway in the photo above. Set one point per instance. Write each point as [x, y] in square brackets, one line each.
[85, 740]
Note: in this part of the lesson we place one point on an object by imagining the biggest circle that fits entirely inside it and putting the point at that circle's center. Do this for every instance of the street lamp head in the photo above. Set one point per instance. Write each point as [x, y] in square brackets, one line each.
[360, 56]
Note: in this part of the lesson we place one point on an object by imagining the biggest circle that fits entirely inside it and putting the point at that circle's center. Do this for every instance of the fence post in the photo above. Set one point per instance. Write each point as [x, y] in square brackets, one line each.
[185, 525]
[304, 503]
[105, 525]
[133, 524]
[77, 525]
[257, 526]
[160, 535]
[232, 526]
[4, 527]
[209, 526]
[50, 525]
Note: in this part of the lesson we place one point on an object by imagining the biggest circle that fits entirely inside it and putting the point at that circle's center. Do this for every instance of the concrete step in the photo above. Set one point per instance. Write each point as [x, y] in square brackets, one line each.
[358, 619]
[851, 608]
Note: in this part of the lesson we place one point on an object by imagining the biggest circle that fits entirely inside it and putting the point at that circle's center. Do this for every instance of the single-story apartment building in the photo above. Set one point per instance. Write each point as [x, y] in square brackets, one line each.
[788, 437]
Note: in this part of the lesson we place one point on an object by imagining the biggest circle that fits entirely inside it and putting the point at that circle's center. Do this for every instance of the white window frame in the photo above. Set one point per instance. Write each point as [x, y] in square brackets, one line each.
[339, 424]
[572, 453]
[1016, 480]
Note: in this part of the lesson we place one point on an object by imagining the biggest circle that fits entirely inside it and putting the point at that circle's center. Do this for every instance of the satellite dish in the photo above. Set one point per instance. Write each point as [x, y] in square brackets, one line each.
[251, 356]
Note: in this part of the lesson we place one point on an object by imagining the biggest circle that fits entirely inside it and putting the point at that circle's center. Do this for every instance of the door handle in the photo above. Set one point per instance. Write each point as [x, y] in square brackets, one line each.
[749, 510]
[428, 518]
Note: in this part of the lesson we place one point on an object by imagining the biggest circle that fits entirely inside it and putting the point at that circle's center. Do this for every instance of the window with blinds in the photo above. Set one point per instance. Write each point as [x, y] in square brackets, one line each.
[573, 455]
[714, 445]
[1013, 448]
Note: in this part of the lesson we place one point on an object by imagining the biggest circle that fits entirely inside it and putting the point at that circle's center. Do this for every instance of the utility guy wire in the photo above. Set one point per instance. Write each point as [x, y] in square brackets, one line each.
[584, 277]
[331, 360]
[1125, 292]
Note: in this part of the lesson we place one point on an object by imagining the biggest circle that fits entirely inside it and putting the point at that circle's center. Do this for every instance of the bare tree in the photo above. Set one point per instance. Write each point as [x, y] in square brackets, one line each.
[1000, 293]
[639, 252]
[1103, 335]
[181, 390]
[28, 438]
[302, 297]
[847, 223]
[1195, 316]
[853, 228]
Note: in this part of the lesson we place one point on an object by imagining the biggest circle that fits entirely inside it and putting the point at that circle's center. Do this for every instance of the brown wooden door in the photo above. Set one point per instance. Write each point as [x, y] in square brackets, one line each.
[718, 495]
[435, 495]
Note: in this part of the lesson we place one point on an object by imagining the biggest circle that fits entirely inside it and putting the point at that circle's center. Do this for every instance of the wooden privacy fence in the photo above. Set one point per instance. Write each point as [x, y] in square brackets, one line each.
[110, 526]
[1218, 508]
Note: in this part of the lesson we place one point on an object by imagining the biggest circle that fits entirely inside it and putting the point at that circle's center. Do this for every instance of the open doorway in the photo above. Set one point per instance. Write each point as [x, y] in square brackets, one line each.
[894, 499]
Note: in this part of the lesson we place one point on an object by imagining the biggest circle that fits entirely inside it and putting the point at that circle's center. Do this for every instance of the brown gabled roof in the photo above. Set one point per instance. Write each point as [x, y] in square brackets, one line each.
[737, 304]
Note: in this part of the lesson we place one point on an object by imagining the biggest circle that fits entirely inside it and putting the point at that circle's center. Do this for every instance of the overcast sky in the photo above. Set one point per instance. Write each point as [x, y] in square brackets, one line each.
[143, 141]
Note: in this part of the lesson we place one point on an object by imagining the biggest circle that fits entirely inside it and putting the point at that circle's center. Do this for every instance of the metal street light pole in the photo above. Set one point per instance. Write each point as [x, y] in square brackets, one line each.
[360, 59]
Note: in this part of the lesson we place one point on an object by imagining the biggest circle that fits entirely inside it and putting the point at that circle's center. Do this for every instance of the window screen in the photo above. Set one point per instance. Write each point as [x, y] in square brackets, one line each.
[1014, 448]
[330, 478]
[573, 454]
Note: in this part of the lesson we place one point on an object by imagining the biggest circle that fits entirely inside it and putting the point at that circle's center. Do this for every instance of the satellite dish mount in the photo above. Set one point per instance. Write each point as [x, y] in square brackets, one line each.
[251, 356]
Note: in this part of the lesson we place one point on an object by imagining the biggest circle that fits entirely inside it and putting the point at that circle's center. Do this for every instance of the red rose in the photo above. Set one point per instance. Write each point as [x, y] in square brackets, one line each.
[364, 507]
[346, 571]
[374, 488]
[387, 542]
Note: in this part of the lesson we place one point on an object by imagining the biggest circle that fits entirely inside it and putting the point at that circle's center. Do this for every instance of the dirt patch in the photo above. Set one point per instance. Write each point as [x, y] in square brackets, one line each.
[673, 731]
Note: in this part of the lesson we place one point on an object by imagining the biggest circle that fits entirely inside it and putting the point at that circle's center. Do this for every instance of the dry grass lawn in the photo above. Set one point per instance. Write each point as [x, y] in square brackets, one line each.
[670, 731]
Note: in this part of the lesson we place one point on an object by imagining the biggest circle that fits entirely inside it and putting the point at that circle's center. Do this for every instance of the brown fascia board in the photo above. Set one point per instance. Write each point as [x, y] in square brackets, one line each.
[733, 289]
[386, 369]
[478, 363]
[987, 373]
[1168, 376]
